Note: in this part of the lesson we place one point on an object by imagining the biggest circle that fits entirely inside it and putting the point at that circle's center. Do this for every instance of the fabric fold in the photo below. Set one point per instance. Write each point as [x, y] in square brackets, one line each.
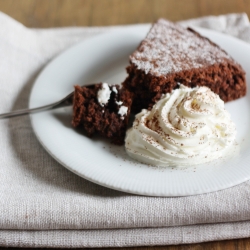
[125, 237]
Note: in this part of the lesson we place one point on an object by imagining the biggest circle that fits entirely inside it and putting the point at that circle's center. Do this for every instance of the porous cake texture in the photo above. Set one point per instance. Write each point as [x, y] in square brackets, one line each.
[102, 110]
[171, 55]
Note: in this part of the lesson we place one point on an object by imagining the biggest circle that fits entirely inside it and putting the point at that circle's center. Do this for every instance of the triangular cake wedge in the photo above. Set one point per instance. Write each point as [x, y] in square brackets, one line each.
[171, 55]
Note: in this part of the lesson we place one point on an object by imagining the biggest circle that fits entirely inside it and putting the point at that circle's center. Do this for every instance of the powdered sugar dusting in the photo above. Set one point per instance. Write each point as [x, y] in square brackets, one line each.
[170, 48]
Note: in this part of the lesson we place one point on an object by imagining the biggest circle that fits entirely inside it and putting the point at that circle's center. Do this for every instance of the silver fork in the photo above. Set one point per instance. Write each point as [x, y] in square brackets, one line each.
[66, 101]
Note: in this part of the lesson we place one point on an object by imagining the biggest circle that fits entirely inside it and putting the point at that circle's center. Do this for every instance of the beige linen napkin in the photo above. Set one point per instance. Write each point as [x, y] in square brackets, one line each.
[42, 204]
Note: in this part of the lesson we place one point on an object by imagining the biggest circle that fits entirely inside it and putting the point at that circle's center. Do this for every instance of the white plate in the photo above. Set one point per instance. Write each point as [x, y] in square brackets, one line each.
[103, 59]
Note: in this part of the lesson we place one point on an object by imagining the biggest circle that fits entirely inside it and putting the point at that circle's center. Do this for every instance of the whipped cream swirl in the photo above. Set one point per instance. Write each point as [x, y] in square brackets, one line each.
[186, 127]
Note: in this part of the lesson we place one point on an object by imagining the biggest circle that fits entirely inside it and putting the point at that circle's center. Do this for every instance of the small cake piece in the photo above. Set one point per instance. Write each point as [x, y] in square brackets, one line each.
[102, 109]
[171, 55]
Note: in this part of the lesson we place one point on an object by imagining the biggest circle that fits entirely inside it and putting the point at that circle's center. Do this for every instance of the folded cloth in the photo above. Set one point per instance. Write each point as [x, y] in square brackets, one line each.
[42, 204]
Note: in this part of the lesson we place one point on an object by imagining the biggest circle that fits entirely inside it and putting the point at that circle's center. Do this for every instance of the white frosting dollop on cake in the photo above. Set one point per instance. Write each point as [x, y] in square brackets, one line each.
[186, 127]
[114, 89]
[103, 94]
[119, 103]
[123, 111]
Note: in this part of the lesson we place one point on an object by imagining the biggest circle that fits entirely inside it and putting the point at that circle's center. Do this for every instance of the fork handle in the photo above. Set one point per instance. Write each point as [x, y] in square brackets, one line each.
[26, 111]
[66, 101]
[34, 110]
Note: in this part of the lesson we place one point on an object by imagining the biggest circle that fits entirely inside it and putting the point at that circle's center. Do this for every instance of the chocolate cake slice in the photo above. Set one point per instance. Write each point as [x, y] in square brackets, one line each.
[170, 55]
[102, 109]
